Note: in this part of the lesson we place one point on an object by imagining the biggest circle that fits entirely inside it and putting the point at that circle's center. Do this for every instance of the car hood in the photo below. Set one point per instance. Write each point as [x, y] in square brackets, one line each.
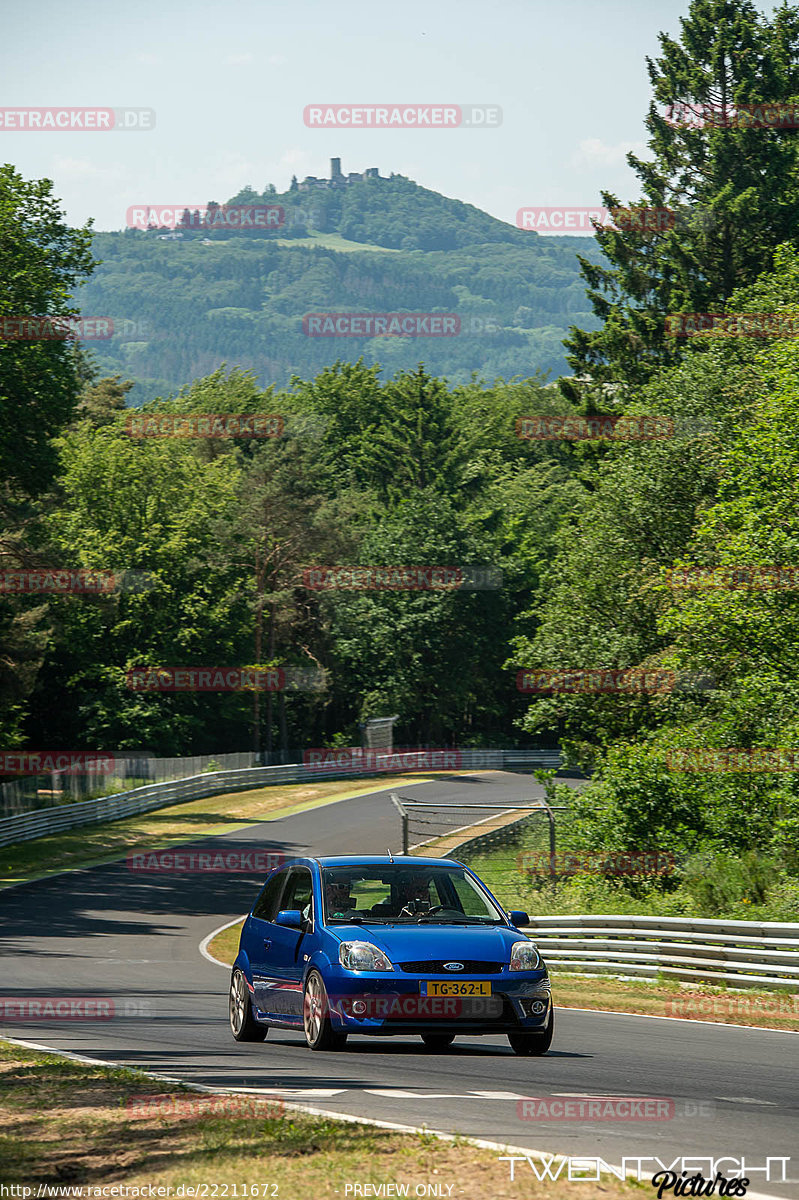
[415, 943]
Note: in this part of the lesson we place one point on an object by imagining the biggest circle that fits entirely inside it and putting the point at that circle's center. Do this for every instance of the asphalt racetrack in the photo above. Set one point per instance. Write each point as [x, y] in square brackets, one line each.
[134, 937]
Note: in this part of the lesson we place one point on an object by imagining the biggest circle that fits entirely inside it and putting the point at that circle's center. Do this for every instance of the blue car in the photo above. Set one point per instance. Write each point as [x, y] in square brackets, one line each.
[386, 945]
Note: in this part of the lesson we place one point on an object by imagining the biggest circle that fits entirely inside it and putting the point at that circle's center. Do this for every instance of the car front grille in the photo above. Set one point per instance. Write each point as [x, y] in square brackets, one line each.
[435, 966]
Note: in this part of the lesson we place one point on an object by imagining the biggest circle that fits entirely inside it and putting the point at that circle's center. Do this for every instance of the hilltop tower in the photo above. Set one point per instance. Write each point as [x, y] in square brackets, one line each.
[335, 170]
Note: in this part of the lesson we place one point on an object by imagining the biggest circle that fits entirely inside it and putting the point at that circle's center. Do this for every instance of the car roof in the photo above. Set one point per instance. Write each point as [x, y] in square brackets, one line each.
[382, 860]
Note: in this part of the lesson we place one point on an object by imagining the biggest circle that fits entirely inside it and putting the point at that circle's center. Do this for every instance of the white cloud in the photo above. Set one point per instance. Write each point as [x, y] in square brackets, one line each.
[149, 60]
[595, 152]
[238, 60]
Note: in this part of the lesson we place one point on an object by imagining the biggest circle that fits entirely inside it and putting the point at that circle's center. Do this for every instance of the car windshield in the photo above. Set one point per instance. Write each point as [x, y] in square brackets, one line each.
[394, 895]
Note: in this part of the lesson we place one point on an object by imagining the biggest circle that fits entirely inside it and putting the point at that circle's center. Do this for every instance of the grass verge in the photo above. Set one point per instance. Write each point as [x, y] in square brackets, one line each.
[91, 845]
[758, 1009]
[705, 885]
[67, 1123]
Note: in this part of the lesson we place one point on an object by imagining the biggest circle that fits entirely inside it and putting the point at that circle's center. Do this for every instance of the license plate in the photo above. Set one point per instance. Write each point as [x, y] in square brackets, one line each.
[456, 987]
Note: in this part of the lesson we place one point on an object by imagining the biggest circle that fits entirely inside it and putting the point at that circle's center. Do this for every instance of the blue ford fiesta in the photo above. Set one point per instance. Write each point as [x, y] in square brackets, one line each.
[381, 945]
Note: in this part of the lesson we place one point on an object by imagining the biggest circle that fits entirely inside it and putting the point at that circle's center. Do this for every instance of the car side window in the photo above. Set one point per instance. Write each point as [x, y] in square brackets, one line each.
[266, 906]
[469, 899]
[299, 891]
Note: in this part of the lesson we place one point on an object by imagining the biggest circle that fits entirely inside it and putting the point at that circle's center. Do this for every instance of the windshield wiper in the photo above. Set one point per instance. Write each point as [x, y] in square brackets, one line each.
[442, 921]
[459, 920]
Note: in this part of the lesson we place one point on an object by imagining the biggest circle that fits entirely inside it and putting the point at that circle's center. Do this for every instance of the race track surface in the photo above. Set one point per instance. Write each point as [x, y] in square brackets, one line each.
[133, 937]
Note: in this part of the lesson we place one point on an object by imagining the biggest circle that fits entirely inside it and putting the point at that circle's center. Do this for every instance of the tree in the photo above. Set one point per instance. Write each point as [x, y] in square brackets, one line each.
[732, 185]
[101, 403]
[41, 260]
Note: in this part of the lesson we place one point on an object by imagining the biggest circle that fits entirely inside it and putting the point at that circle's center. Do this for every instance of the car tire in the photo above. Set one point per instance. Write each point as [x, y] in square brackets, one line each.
[243, 1024]
[319, 1033]
[438, 1042]
[533, 1043]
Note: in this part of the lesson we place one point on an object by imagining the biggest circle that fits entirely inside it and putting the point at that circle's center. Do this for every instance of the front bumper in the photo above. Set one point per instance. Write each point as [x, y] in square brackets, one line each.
[389, 1002]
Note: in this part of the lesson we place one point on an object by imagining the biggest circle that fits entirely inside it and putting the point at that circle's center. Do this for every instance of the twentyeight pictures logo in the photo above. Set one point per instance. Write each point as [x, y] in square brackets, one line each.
[76, 120]
[402, 116]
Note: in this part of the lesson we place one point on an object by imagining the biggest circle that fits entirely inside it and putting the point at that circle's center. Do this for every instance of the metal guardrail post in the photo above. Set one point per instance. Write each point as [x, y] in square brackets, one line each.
[395, 800]
[552, 857]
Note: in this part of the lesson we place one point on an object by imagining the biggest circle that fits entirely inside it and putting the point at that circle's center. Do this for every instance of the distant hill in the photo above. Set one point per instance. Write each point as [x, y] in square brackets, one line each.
[185, 305]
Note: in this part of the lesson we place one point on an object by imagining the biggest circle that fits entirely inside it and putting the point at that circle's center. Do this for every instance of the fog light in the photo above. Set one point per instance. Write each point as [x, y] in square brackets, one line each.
[359, 1007]
[538, 1007]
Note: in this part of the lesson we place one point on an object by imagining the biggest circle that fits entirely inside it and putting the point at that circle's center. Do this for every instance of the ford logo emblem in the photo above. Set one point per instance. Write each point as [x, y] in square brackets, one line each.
[453, 966]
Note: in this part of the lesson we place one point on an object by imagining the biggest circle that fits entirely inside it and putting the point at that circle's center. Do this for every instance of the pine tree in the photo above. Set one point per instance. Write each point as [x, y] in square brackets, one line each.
[731, 185]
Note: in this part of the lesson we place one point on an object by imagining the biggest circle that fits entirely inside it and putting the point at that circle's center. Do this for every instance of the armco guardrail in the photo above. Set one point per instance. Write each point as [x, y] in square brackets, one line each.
[740, 953]
[27, 826]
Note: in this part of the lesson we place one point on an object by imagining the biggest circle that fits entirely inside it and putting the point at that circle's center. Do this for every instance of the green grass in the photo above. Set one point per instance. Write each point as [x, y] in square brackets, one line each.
[718, 886]
[332, 241]
[67, 1123]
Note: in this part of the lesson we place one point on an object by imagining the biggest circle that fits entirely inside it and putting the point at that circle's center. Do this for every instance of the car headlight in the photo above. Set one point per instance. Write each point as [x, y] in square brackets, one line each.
[524, 956]
[363, 956]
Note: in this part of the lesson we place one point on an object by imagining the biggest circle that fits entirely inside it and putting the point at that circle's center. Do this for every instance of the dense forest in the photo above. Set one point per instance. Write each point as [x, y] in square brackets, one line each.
[183, 308]
[402, 467]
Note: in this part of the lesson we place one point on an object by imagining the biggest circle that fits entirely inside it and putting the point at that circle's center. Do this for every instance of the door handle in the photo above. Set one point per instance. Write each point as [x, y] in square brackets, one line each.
[267, 943]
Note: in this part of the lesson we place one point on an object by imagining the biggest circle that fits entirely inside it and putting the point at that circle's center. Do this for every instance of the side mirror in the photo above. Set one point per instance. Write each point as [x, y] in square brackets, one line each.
[290, 917]
[518, 918]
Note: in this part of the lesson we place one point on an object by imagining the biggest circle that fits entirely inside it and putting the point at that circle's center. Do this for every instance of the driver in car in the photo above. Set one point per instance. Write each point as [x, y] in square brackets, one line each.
[339, 898]
[414, 897]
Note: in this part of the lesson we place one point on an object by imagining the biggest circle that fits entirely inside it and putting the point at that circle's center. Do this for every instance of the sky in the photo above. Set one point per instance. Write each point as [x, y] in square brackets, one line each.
[229, 84]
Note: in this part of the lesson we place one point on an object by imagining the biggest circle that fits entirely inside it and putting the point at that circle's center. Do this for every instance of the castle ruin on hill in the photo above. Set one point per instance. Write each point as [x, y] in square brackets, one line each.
[338, 178]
